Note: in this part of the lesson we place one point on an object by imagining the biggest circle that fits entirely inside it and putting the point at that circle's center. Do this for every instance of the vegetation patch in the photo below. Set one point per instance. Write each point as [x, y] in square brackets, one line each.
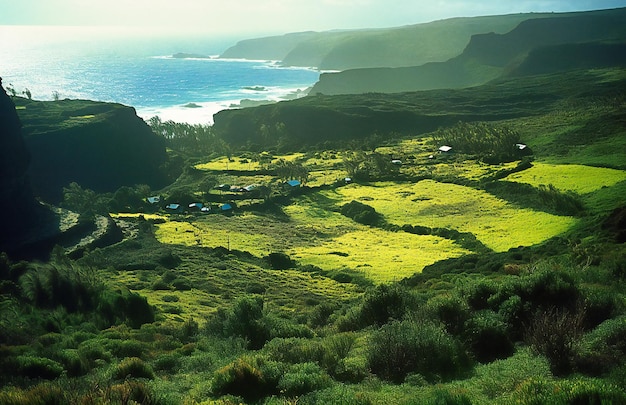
[496, 223]
[577, 178]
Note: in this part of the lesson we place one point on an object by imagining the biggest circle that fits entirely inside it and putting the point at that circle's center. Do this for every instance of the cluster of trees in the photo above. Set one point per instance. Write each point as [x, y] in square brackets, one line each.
[87, 202]
[289, 170]
[492, 143]
[192, 139]
[364, 166]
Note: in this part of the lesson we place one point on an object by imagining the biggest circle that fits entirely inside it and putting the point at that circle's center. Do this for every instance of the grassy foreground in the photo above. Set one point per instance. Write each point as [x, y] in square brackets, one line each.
[443, 280]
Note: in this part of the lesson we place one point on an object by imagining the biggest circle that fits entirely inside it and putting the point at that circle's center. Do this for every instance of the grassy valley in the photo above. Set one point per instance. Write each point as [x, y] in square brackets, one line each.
[389, 272]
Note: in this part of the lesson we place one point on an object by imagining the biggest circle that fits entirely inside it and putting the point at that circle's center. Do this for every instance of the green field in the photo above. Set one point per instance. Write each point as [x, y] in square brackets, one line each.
[496, 223]
[577, 178]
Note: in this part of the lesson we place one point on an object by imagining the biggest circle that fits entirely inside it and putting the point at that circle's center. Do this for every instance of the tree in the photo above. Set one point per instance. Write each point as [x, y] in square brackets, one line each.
[83, 201]
[287, 170]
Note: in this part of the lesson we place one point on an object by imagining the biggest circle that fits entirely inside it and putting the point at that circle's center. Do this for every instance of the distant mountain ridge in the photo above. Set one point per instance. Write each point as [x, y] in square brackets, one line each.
[487, 56]
[411, 45]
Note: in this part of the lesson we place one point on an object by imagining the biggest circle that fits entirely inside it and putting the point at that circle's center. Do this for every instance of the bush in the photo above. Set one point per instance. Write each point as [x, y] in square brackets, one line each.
[167, 362]
[245, 319]
[452, 311]
[133, 367]
[303, 378]
[125, 348]
[245, 379]
[295, 350]
[39, 394]
[38, 367]
[362, 213]
[554, 334]
[400, 348]
[384, 303]
[487, 336]
[279, 261]
[73, 362]
[603, 348]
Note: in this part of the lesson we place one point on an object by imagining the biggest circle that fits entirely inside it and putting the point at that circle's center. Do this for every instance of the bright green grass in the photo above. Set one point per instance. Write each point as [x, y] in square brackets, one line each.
[382, 256]
[578, 178]
[317, 236]
[496, 223]
[224, 163]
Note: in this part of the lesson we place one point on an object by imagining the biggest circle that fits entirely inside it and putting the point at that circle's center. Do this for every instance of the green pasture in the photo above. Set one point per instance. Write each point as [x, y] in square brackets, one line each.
[312, 234]
[496, 223]
[577, 178]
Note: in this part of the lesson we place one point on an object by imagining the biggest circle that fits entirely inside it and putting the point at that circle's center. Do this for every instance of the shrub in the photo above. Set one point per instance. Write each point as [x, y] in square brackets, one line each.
[44, 394]
[303, 378]
[38, 367]
[73, 362]
[126, 348]
[284, 327]
[362, 213]
[452, 311]
[496, 144]
[400, 348]
[245, 319]
[130, 392]
[244, 378]
[167, 362]
[487, 336]
[133, 367]
[554, 334]
[603, 348]
[384, 303]
[279, 261]
[295, 350]
[181, 284]
[320, 314]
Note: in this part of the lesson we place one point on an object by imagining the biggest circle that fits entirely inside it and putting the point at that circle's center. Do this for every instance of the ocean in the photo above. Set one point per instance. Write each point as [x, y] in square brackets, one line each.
[137, 68]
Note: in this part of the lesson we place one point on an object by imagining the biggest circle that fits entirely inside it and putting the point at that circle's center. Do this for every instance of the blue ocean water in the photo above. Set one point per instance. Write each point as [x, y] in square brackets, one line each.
[139, 70]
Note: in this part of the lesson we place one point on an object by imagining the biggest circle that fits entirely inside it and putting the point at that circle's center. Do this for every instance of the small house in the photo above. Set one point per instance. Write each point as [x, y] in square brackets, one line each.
[347, 180]
[154, 199]
[293, 183]
[205, 210]
[196, 206]
[174, 208]
[223, 187]
[226, 207]
[520, 146]
[396, 162]
[445, 149]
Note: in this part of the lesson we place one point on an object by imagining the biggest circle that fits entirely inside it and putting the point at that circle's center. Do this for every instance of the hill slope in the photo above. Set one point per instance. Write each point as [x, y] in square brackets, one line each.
[101, 146]
[315, 120]
[486, 57]
[411, 45]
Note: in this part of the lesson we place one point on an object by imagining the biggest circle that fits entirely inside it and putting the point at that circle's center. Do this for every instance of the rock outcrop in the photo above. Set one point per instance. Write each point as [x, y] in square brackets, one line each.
[19, 211]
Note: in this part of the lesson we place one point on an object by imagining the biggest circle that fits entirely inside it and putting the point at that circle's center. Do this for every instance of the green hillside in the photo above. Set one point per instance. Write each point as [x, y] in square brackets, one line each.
[489, 56]
[331, 250]
[101, 146]
[337, 120]
[412, 45]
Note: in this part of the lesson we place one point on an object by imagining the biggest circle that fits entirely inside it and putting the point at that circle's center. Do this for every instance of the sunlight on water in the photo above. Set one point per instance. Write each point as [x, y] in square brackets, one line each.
[135, 67]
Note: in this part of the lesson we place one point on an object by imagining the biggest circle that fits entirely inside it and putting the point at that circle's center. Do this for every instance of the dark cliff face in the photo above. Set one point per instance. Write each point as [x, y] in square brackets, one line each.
[14, 157]
[17, 204]
[101, 146]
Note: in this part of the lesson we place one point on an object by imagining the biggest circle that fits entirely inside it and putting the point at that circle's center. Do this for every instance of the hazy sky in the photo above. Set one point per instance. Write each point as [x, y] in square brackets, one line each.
[269, 16]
